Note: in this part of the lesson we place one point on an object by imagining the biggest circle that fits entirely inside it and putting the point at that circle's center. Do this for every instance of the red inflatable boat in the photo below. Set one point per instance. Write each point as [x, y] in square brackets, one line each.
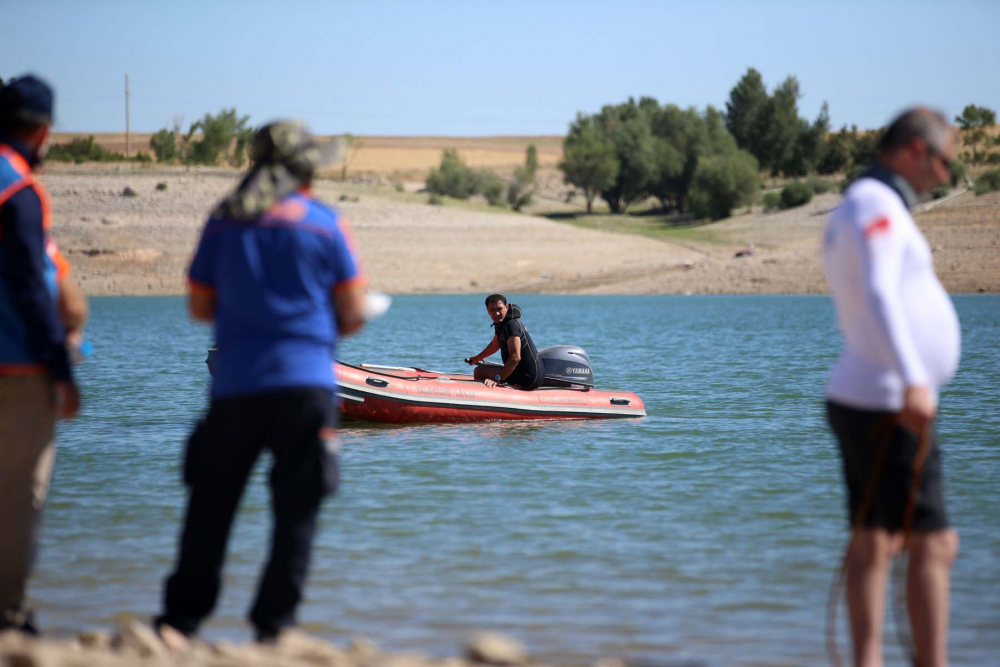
[397, 395]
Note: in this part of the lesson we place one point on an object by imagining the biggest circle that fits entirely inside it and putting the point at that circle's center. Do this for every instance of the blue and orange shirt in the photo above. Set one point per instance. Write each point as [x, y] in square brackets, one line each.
[274, 279]
[32, 339]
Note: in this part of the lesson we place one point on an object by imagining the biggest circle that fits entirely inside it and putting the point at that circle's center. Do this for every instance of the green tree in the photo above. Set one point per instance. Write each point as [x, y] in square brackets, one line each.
[589, 162]
[864, 146]
[958, 172]
[669, 162]
[531, 160]
[779, 126]
[719, 140]
[796, 194]
[810, 145]
[837, 153]
[628, 127]
[164, 145]
[724, 182]
[772, 202]
[988, 181]
[491, 186]
[681, 138]
[747, 100]
[219, 133]
[694, 136]
[452, 177]
[521, 189]
[974, 123]
[241, 147]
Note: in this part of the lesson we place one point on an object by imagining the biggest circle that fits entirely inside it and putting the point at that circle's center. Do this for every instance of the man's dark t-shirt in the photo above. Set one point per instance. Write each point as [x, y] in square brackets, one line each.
[529, 373]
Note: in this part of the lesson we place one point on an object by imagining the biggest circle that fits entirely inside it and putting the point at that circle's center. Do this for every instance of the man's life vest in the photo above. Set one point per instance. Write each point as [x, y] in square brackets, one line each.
[529, 372]
[16, 356]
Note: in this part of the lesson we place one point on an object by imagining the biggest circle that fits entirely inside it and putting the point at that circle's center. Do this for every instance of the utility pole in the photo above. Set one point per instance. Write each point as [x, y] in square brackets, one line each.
[128, 137]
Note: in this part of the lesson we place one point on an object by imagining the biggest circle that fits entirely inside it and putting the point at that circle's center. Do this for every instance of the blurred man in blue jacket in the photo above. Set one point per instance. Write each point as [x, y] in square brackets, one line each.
[39, 308]
[277, 274]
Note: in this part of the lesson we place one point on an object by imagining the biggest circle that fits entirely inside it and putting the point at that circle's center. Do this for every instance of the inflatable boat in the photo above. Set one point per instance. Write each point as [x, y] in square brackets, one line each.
[402, 395]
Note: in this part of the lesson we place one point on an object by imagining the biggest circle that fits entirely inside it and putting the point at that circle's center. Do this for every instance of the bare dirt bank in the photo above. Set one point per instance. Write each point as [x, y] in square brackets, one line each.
[142, 244]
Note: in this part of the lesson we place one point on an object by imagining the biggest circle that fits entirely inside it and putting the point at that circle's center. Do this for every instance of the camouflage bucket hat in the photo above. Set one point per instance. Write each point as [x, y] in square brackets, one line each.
[285, 157]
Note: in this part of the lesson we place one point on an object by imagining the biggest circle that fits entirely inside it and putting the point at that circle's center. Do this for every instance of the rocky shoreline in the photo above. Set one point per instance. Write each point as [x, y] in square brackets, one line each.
[136, 644]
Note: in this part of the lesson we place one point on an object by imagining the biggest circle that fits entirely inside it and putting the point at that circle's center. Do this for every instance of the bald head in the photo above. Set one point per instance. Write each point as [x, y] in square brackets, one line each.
[917, 123]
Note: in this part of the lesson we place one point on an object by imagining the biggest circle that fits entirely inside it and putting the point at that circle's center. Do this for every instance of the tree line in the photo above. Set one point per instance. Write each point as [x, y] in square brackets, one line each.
[710, 162]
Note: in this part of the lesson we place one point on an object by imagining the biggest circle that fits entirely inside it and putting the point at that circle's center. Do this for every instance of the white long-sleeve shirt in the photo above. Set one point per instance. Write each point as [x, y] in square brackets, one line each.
[900, 328]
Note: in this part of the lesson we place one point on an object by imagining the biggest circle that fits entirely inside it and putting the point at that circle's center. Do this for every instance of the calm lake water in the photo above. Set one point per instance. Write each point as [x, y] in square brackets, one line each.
[709, 531]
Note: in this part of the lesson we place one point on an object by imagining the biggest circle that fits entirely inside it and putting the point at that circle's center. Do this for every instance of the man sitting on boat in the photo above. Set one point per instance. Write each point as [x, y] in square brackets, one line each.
[521, 366]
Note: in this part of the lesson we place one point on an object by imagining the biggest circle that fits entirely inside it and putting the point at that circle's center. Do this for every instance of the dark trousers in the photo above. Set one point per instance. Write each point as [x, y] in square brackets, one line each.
[297, 426]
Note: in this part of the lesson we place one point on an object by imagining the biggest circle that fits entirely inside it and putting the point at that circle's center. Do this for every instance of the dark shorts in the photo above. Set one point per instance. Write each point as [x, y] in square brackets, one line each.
[516, 379]
[862, 436]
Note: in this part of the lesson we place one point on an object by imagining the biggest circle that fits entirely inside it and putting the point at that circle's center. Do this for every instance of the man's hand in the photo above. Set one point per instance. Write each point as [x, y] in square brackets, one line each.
[473, 361]
[918, 410]
[74, 337]
[489, 383]
[67, 399]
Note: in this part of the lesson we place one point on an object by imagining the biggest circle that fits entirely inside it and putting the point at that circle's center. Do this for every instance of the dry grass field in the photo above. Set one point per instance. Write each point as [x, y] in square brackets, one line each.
[410, 158]
[400, 157]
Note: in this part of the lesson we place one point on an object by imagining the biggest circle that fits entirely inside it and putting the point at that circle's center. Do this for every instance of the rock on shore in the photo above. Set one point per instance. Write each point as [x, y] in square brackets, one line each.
[137, 644]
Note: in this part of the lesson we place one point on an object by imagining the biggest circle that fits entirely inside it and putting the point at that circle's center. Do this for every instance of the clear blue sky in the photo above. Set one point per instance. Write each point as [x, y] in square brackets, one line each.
[481, 67]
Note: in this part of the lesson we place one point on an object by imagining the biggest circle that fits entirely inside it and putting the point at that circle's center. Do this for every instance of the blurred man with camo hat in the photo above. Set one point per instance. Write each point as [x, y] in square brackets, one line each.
[277, 274]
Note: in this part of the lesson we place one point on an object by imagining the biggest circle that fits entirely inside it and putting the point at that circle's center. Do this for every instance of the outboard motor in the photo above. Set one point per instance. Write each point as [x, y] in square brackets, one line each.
[566, 366]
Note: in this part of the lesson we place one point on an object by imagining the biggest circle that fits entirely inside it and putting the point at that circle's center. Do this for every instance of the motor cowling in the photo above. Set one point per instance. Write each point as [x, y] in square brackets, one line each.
[566, 366]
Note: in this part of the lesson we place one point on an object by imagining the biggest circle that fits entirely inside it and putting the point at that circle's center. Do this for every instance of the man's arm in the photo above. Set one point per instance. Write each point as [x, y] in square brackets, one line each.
[514, 347]
[492, 348]
[513, 359]
[882, 254]
[73, 308]
[201, 278]
[349, 281]
[201, 304]
[349, 304]
[73, 311]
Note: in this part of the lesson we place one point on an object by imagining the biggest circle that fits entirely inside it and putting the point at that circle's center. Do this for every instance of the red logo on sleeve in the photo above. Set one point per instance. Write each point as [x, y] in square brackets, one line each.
[880, 226]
